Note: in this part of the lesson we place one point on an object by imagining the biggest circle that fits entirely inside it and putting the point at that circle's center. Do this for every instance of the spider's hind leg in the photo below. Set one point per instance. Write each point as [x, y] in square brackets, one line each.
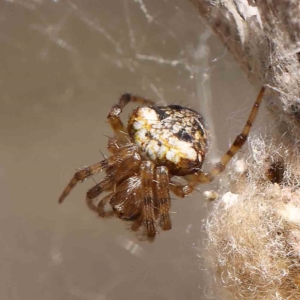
[235, 147]
[202, 177]
[114, 115]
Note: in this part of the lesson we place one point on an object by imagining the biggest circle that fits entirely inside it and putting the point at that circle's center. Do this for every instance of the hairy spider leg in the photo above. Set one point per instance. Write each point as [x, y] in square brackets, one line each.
[81, 175]
[236, 145]
[114, 115]
[124, 165]
[203, 177]
[100, 207]
[127, 200]
[106, 184]
[147, 172]
[137, 223]
[163, 196]
[179, 189]
[113, 146]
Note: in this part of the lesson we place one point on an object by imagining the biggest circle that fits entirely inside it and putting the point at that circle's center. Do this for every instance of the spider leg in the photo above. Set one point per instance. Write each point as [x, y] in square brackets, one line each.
[236, 145]
[114, 161]
[100, 207]
[179, 189]
[81, 175]
[137, 223]
[115, 175]
[147, 172]
[202, 177]
[104, 185]
[114, 115]
[127, 201]
[163, 196]
[113, 146]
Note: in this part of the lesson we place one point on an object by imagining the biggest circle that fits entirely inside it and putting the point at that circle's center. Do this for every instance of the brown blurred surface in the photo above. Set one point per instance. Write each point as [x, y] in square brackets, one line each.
[63, 65]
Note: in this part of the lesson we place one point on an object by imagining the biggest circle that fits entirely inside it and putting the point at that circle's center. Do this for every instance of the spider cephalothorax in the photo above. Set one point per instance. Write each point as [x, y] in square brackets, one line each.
[159, 142]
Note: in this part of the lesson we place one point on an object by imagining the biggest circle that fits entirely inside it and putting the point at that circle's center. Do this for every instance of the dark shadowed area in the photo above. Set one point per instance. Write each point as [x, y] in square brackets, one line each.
[63, 65]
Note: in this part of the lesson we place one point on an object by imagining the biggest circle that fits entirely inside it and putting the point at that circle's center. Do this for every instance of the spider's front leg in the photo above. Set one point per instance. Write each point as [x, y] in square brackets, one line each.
[115, 112]
[163, 197]
[81, 175]
[123, 157]
[125, 164]
[147, 177]
[106, 184]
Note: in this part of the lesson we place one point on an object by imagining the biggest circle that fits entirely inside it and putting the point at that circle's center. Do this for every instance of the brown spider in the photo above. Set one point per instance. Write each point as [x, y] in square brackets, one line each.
[159, 142]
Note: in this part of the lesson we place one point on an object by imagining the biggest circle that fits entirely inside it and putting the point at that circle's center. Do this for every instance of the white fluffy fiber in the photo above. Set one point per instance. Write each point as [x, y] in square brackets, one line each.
[253, 244]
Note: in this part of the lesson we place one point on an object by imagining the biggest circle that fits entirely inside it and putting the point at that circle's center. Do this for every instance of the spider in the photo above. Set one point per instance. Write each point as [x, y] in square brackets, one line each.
[159, 142]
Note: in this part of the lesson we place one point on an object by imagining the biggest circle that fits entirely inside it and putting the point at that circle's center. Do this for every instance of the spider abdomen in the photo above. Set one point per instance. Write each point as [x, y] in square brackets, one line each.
[171, 136]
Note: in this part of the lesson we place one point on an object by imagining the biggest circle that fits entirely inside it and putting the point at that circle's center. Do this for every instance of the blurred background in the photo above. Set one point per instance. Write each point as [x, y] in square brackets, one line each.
[63, 65]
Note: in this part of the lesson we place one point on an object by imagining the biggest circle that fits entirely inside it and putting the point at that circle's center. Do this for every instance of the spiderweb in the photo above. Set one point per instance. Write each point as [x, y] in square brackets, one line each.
[64, 63]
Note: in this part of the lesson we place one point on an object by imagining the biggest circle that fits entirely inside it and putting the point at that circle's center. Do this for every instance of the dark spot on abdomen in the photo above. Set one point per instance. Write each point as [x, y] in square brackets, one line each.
[184, 136]
[161, 113]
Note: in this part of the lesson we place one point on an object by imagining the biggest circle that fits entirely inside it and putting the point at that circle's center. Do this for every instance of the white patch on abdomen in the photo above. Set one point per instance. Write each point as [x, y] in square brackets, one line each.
[160, 143]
